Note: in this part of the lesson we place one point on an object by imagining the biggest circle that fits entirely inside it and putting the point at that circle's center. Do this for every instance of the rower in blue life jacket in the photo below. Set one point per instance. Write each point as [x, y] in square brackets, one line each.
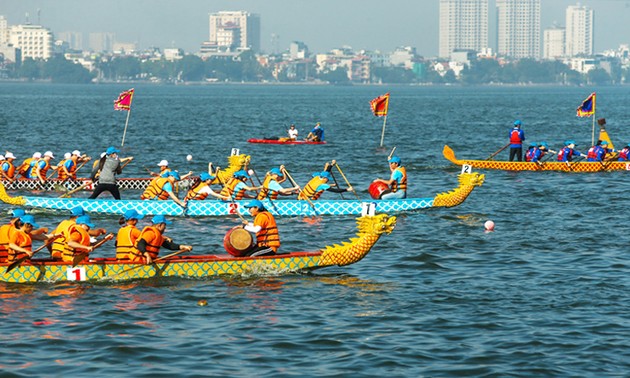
[598, 151]
[566, 154]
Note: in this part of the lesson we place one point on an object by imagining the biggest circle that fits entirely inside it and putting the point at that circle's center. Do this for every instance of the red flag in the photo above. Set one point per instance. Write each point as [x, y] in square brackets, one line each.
[587, 108]
[380, 105]
[124, 100]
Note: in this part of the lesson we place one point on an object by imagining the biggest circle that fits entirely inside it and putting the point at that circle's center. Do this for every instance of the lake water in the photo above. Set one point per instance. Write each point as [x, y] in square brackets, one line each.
[546, 294]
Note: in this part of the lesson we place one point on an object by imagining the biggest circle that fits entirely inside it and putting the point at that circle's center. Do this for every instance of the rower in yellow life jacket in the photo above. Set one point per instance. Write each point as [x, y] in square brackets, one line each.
[265, 228]
[161, 188]
[59, 245]
[27, 165]
[271, 185]
[127, 235]
[201, 190]
[320, 183]
[151, 239]
[397, 181]
[7, 230]
[236, 187]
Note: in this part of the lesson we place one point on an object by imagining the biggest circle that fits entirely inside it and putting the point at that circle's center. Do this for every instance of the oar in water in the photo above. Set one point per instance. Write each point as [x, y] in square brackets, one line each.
[19, 261]
[305, 197]
[76, 260]
[154, 261]
[496, 153]
[346, 180]
[68, 194]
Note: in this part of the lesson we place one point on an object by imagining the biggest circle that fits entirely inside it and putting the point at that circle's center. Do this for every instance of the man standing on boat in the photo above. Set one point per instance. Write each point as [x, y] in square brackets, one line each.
[265, 228]
[109, 167]
[148, 244]
[316, 135]
[397, 181]
[517, 137]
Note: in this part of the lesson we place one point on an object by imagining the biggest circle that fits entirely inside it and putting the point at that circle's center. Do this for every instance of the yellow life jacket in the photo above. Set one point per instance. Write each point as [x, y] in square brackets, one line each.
[155, 190]
[403, 182]
[310, 189]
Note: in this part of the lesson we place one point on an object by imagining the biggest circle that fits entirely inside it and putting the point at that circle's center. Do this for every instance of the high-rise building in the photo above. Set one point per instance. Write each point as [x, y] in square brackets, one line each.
[463, 26]
[102, 42]
[579, 25]
[553, 43]
[4, 30]
[74, 39]
[518, 30]
[35, 41]
[235, 30]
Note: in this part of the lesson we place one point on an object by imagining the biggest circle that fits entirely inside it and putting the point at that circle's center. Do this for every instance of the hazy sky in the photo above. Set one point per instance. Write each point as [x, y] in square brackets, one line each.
[321, 24]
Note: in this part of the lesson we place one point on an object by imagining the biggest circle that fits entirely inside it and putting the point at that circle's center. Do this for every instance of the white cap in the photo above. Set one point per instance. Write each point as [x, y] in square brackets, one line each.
[103, 154]
[9, 156]
[1, 157]
[37, 155]
[76, 152]
[67, 155]
[49, 153]
[163, 163]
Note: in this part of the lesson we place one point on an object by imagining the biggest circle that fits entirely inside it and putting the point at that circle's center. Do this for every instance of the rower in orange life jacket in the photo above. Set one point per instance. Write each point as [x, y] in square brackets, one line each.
[7, 169]
[127, 235]
[397, 181]
[320, 183]
[151, 239]
[59, 245]
[20, 241]
[77, 238]
[27, 165]
[517, 137]
[161, 188]
[40, 169]
[265, 228]
[201, 190]
[68, 168]
[271, 185]
[164, 168]
[236, 187]
[7, 230]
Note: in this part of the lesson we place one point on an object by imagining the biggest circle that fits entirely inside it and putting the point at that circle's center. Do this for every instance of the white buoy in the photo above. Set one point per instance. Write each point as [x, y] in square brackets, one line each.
[189, 157]
[489, 225]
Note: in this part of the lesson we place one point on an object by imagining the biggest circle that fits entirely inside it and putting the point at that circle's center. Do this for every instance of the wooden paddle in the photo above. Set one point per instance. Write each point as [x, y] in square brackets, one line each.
[336, 183]
[76, 260]
[19, 261]
[68, 194]
[346, 180]
[268, 196]
[154, 261]
[391, 153]
[232, 201]
[496, 153]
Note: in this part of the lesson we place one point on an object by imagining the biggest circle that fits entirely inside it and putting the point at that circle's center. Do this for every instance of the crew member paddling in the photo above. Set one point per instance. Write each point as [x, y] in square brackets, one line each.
[319, 183]
[201, 190]
[566, 154]
[127, 235]
[271, 185]
[21, 241]
[7, 169]
[161, 188]
[77, 238]
[68, 170]
[27, 165]
[397, 181]
[265, 228]
[59, 245]
[7, 230]
[235, 188]
[148, 244]
[40, 169]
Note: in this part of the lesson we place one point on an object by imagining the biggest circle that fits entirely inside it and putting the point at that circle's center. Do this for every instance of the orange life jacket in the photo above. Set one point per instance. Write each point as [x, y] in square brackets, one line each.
[153, 239]
[59, 244]
[403, 182]
[22, 239]
[125, 240]
[5, 236]
[310, 189]
[24, 168]
[193, 193]
[70, 252]
[71, 171]
[265, 191]
[228, 189]
[11, 170]
[155, 190]
[42, 171]
[268, 234]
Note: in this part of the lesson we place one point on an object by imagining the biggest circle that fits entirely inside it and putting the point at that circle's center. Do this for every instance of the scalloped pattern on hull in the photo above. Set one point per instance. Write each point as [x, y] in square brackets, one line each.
[576, 166]
[139, 183]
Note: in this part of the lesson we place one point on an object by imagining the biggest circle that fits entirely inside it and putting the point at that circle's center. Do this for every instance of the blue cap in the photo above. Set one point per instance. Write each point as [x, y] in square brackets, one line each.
[604, 142]
[276, 171]
[543, 144]
[325, 175]
[206, 176]
[17, 213]
[132, 214]
[77, 211]
[241, 173]
[566, 143]
[394, 159]
[160, 219]
[255, 203]
[85, 219]
[517, 122]
[29, 219]
[112, 150]
[533, 144]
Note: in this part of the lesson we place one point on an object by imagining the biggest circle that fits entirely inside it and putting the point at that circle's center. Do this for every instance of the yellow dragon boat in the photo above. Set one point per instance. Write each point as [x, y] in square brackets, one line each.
[370, 229]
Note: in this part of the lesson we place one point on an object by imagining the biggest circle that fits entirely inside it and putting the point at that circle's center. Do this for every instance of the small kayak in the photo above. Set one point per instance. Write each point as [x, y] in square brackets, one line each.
[282, 141]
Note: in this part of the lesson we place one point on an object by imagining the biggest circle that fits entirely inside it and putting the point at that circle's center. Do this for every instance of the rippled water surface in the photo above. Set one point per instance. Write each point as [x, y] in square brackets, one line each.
[546, 294]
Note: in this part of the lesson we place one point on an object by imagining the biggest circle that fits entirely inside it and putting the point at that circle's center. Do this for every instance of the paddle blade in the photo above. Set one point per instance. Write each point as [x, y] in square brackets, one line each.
[15, 264]
[76, 260]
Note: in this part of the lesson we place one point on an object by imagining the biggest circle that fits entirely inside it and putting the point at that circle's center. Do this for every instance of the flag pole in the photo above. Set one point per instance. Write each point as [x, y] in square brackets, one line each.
[593, 135]
[125, 132]
[383, 132]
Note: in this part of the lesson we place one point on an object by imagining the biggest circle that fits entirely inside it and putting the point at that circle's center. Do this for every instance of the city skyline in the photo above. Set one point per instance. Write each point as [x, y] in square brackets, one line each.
[322, 25]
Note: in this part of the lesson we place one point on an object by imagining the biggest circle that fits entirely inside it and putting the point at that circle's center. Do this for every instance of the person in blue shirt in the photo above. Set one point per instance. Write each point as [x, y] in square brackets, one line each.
[566, 154]
[598, 151]
[317, 134]
[517, 137]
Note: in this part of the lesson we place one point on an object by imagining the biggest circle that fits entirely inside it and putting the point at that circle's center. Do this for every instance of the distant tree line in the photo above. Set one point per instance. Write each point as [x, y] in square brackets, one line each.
[246, 68]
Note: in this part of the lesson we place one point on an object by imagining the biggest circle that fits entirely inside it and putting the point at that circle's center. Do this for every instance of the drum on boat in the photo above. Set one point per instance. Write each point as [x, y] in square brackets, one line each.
[377, 189]
[238, 241]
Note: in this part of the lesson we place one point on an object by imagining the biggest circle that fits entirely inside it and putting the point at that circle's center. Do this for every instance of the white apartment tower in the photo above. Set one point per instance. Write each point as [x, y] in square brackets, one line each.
[553, 43]
[235, 30]
[518, 30]
[4, 31]
[579, 25]
[35, 41]
[463, 26]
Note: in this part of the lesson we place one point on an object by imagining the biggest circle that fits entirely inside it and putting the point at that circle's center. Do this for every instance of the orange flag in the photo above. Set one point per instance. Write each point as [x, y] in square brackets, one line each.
[380, 105]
